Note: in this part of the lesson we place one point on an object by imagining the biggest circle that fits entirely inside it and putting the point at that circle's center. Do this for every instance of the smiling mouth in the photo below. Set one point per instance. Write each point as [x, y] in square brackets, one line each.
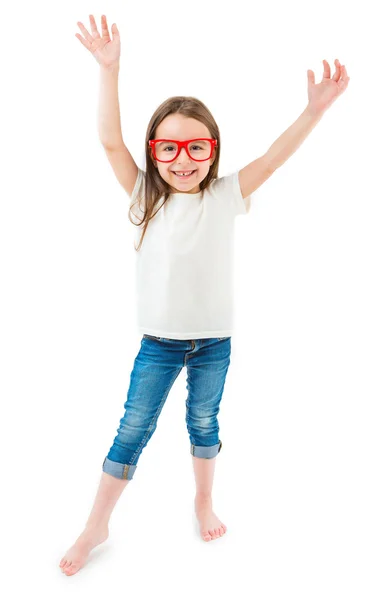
[189, 174]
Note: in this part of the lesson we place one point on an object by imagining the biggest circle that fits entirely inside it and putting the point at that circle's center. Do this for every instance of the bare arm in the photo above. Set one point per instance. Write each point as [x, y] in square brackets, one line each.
[109, 124]
[321, 96]
[110, 133]
[107, 54]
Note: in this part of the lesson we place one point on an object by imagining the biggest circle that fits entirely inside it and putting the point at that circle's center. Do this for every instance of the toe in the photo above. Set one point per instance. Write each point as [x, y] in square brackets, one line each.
[71, 570]
[206, 536]
[216, 531]
[212, 533]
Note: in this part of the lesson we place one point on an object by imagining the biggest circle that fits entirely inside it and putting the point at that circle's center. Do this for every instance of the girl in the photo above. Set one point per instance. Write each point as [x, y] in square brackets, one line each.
[184, 273]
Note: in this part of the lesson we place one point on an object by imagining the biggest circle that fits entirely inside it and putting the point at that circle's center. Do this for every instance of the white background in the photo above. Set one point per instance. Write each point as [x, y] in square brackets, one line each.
[297, 480]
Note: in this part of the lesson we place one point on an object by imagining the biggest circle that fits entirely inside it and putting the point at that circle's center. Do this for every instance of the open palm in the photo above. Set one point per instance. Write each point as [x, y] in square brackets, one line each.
[323, 94]
[105, 50]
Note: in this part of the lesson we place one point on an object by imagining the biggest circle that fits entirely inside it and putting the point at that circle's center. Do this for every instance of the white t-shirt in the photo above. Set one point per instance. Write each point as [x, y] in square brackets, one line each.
[184, 268]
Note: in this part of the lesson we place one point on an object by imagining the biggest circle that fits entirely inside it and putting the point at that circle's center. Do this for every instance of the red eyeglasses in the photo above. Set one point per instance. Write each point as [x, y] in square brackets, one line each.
[167, 150]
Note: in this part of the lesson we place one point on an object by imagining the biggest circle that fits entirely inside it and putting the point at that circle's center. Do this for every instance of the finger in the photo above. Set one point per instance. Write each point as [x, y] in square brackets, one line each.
[115, 32]
[83, 41]
[337, 73]
[344, 73]
[86, 34]
[343, 82]
[310, 76]
[105, 32]
[326, 70]
[94, 29]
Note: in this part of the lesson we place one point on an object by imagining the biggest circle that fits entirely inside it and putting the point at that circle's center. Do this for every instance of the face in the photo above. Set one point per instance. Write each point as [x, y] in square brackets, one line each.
[178, 127]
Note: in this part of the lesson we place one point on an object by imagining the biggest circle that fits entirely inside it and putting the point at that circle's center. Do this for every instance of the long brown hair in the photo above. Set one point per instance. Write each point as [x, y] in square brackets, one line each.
[155, 186]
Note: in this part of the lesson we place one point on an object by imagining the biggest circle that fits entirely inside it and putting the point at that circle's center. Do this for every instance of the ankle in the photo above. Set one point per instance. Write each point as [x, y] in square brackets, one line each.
[96, 525]
[203, 497]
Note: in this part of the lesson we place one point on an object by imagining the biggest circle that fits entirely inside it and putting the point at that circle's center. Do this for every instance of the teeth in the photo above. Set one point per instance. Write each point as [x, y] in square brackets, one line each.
[183, 172]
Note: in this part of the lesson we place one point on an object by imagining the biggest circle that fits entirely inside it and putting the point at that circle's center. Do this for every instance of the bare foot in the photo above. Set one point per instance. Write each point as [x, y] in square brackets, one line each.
[210, 526]
[77, 555]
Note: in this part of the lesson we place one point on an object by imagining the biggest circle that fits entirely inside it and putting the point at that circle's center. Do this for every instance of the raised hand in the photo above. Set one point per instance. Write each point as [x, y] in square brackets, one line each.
[104, 50]
[323, 94]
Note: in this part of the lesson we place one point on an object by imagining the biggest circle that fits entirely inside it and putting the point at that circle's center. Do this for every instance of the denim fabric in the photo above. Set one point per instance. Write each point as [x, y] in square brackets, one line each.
[156, 367]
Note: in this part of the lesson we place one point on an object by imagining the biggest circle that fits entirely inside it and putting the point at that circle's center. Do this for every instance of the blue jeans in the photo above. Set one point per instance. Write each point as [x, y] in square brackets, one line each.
[155, 369]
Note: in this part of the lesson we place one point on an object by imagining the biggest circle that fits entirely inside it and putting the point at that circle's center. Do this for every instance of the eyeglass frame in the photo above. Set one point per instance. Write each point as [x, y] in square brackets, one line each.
[183, 144]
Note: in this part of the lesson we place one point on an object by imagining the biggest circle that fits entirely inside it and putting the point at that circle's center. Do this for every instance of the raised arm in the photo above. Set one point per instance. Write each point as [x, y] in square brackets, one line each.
[110, 133]
[107, 54]
[321, 97]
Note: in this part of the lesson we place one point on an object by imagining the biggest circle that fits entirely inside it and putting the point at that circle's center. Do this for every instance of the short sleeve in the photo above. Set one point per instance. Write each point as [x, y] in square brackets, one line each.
[137, 202]
[241, 205]
[228, 188]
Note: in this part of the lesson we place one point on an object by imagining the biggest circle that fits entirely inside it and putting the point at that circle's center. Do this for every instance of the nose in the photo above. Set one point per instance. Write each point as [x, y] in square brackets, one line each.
[183, 157]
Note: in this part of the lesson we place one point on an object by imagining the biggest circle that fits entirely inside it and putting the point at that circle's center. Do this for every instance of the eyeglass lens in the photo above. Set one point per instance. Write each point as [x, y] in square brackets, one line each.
[198, 149]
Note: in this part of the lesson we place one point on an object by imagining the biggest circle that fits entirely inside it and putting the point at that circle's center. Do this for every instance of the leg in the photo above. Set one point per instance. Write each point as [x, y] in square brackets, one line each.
[151, 381]
[96, 529]
[206, 378]
[109, 492]
[211, 526]
[204, 469]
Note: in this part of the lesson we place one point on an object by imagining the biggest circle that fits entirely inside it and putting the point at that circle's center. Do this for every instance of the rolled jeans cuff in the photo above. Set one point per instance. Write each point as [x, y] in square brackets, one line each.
[119, 470]
[205, 451]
